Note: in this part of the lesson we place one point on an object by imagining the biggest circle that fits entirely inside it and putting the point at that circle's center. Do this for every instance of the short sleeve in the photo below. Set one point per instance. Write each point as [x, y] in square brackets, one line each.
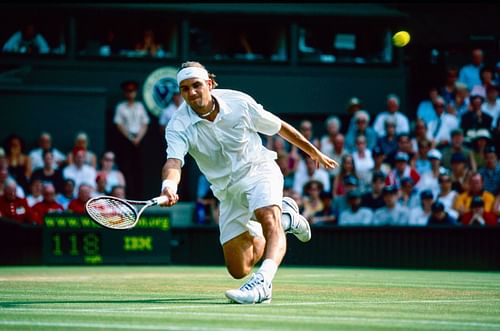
[177, 145]
[264, 121]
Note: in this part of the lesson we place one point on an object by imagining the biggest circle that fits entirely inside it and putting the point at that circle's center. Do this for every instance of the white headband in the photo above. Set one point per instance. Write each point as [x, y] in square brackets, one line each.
[192, 72]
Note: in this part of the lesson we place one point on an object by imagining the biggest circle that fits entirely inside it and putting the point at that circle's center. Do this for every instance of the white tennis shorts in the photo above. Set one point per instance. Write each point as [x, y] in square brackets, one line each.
[261, 187]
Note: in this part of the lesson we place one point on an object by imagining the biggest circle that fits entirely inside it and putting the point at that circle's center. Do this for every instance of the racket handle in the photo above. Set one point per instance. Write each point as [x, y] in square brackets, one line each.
[161, 199]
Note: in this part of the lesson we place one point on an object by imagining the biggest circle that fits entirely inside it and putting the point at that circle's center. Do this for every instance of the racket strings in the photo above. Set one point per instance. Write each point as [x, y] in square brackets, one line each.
[112, 213]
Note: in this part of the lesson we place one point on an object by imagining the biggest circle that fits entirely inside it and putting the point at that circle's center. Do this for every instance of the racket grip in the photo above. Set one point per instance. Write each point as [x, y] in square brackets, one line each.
[161, 199]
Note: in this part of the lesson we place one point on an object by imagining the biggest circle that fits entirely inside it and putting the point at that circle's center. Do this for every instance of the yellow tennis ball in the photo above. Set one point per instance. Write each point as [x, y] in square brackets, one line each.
[401, 39]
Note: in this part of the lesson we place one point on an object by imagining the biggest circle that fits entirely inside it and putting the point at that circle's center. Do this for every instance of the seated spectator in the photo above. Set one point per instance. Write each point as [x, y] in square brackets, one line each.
[404, 146]
[312, 172]
[374, 198]
[419, 215]
[481, 139]
[360, 128]
[35, 192]
[47, 173]
[27, 41]
[67, 193]
[77, 205]
[446, 194]
[336, 151]
[469, 73]
[379, 163]
[118, 191]
[408, 195]
[439, 129]
[12, 206]
[45, 144]
[457, 146]
[439, 216]
[486, 74]
[422, 161]
[448, 90]
[353, 105]
[491, 171]
[401, 169]
[81, 143]
[389, 141]
[47, 205]
[420, 133]
[148, 46]
[363, 162]
[425, 108]
[347, 169]
[113, 175]
[340, 201]
[475, 119]
[312, 202]
[79, 171]
[327, 216]
[101, 183]
[4, 177]
[429, 180]
[463, 201]
[306, 128]
[460, 103]
[19, 163]
[327, 141]
[460, 173]
[392, 112]
[491, 105]
[392, 213]
[477, 215]
[355, 214]
[284, 162]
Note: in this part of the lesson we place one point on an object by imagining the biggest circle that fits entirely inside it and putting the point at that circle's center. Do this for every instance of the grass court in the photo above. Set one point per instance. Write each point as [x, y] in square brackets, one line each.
[192, 299]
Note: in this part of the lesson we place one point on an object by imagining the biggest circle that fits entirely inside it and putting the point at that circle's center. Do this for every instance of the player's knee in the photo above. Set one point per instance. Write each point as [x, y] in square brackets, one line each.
[239, 272]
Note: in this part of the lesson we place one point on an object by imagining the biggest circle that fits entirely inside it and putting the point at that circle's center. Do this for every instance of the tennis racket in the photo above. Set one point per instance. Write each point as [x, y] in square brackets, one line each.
[119, 214]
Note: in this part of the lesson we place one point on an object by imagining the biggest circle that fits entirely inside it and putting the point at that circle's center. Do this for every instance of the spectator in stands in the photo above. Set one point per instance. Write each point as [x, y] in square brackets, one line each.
[392, 213]
[480, 140]
[469, 74]
[312, 202]
[425, 109]
[149, 46]
[12, 206]
[283, 161]
[312, 172]
[419, 215]
[347, 168]
[118, 191]
[80, 172]
[462, 203]
[4, 177]
[19, 163]
[360, 128]
[67, 193]
[429, 180]
[77, 205]
[475, 119]
[113, 175]
[392, 112]
[439, 216]
[81, 143]
[448, 90]
[446, 194]
[306, 128]
[167, 112]
[47, 205]
[337, 152]
[326, 217]
[379, 163]
[460, 173]
[404, 146]
[374, 198]
[389, 141]
[490, 172]
[420, 133]
[27, 41]
[100, 185]
[45, 144]
[339, 203]
[491, 105]
[439, 129]
[132, 122]
[457, 146]
[408, 195]
[486, 74]
[422, 161]
[353, 105]
[401, 169]
[460, 103]
[355, 214]
[363, 162]
[35, 192]
[333, 126]
[47, 173]
[477, 215]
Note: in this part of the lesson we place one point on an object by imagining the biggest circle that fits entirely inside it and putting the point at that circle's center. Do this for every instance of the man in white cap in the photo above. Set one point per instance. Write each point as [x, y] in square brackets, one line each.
[220, 129]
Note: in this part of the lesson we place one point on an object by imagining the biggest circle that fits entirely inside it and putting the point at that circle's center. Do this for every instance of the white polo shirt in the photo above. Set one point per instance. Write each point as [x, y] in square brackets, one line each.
[132, 117]
[225, 149]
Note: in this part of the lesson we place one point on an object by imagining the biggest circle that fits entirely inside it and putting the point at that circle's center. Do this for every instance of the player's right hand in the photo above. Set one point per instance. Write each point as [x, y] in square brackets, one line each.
[172, 198]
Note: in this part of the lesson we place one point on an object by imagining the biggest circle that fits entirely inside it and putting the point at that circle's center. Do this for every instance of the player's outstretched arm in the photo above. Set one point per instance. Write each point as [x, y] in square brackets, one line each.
[294, 137]
[171, 175]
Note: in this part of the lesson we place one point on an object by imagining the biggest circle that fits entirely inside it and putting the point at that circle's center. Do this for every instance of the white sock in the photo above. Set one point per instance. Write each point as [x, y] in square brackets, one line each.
[268, 270]
[285, 221]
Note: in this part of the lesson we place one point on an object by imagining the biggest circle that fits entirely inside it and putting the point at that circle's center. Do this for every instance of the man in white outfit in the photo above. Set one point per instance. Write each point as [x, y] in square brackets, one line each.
[220, 129]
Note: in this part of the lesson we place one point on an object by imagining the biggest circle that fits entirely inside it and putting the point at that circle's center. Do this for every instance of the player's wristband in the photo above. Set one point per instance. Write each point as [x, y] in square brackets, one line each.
[170, 184]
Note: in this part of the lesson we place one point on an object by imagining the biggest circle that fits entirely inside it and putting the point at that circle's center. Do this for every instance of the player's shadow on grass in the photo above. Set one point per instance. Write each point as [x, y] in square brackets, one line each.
[200, 301]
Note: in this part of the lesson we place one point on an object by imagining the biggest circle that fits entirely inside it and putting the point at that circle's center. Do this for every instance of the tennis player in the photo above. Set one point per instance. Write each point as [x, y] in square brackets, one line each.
[220, 129]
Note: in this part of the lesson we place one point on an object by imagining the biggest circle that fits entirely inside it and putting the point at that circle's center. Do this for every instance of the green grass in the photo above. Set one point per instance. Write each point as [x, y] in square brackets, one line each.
[192, 298]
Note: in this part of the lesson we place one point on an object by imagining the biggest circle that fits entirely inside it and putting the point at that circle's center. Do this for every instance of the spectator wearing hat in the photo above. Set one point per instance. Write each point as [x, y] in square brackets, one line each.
[475, 118]
[459, 172]
[132, 122]
[439, 216]
[360, 128]
[420, 214]
[401, 169]
[355, 214]
[469, 73]
[340, 201]
[490, 172]
[446, 195]
[312, 172]
[392, 213]
[491, 105]
[392, 112]
[374, 198]
[439, 129]
[408, 195]
[480, 140]
[462, 203]
[457, 146]
[429, 180]
[477, 215]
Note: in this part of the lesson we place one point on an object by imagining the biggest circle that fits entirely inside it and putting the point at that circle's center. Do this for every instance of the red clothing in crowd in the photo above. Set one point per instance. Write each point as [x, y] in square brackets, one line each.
[77, 206]
[41, 208]
[490, 218]
[17, 210]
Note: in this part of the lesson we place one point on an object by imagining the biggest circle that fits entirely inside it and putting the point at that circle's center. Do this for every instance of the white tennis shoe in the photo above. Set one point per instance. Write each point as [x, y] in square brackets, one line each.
[255, 290]
[299, 226]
